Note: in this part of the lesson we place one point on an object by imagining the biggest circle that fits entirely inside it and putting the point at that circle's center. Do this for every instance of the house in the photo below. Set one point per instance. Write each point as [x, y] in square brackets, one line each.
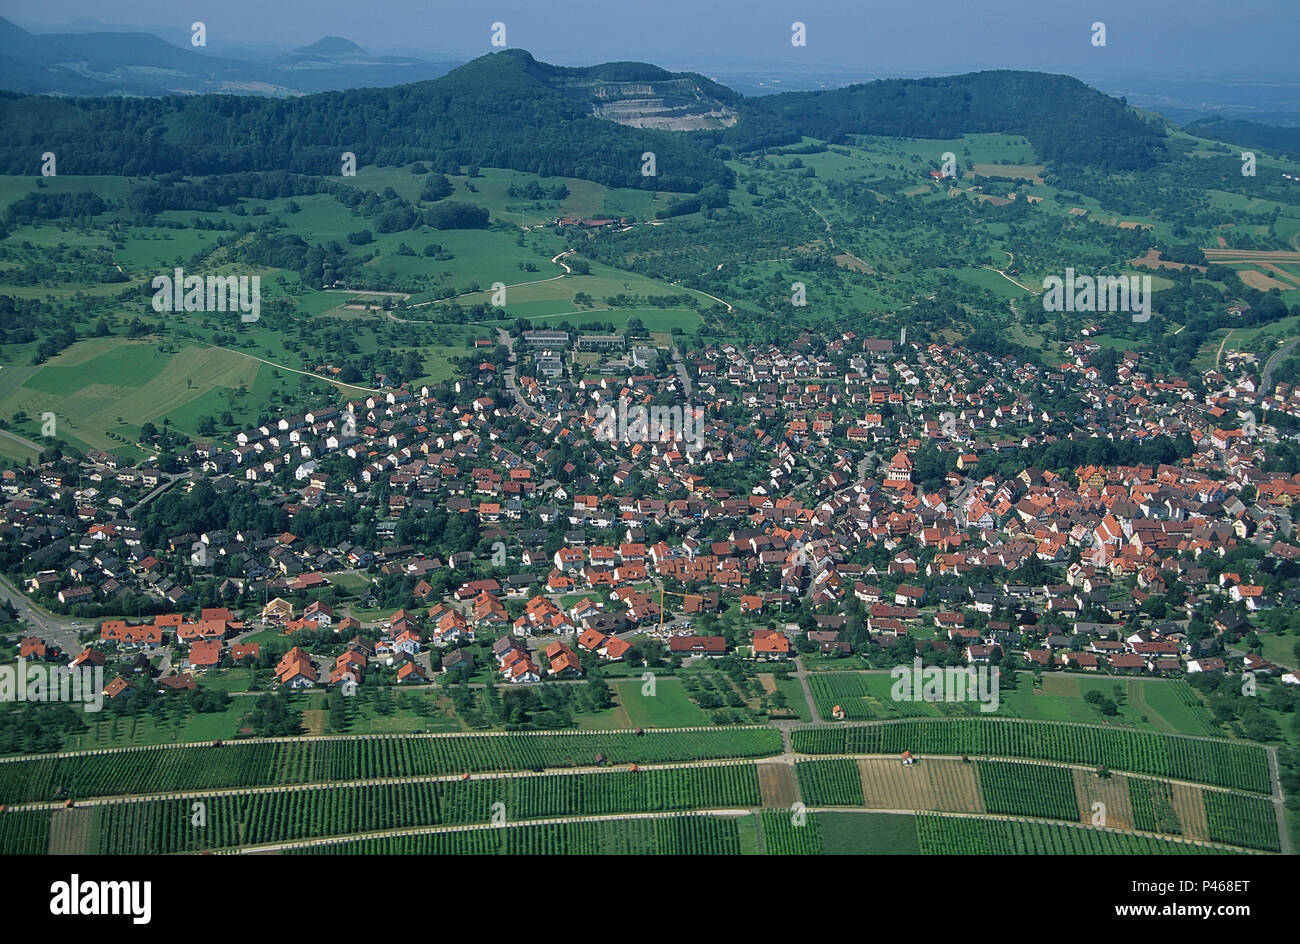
[1080, 660]
[517, 668]
[90, 658]
[345, 675]
[907, 595]
[770, 644]
[245, 650]
[33, 647]
[204, 654]
[614, 649]
[698, 645]
[407, 641]
[295, 669]
[458, 660]
[117, 687]
[202, 630]
[277, 611]
[591, 640]
[564, 661]
[410, 672]
[176, 683]
[318, 611]
[132, 637]
[502, 647]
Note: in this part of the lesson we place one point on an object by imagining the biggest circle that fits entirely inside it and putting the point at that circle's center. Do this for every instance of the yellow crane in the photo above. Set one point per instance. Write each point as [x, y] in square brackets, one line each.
[670, 593]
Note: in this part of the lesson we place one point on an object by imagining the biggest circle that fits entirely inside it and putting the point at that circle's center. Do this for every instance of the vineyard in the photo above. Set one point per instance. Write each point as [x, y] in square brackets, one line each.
[867, 698]
[1241, 820]
[1028, 790]
[849, 691]
[1219, 763]
[24, 833]
[1152, 802]
[162, 826]
[950, 835]
[829, 782]
[169, 770]
[781, 835]
[669, 835]
[1181, 692]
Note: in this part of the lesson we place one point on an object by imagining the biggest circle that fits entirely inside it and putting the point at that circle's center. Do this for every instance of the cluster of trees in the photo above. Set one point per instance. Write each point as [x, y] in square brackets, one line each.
[535, 191]
[39, 727]
[543, 706]
[34, 207]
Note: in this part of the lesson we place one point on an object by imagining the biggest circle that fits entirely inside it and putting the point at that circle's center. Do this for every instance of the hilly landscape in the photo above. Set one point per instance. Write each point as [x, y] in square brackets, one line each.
[315, 385]
[142, 64]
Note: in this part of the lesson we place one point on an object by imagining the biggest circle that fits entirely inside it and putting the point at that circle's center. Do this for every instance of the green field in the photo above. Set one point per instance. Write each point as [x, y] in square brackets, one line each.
[1162, 705]
[669, 707]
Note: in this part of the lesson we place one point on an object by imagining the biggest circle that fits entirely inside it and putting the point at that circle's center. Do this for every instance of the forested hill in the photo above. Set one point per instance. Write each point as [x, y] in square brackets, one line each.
[1248, 133]
[508, 110]
[497, 111]
[1065, 120]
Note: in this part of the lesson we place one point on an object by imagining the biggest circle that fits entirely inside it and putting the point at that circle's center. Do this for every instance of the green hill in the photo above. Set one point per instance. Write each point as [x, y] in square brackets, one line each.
[508, 110]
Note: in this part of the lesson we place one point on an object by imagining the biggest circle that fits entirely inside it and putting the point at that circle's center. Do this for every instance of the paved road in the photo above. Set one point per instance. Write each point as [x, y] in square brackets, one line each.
[680, 365]
[1266, 378]
[170, 480]
[59, 630]
[295, 370]
[25, 443]
[511, 386]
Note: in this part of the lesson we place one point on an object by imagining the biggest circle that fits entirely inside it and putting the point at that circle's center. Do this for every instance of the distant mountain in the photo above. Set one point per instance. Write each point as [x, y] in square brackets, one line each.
[1248, 133]
[509, 110]
[640, 95]
[127, 63]
[335, 47]
[1063, 118]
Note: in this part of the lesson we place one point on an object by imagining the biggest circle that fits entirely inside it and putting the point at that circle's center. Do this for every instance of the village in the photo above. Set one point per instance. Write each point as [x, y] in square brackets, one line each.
[854, 511]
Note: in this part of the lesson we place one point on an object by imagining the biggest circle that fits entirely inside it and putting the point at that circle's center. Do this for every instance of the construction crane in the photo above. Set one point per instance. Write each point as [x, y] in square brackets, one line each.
[670, 593]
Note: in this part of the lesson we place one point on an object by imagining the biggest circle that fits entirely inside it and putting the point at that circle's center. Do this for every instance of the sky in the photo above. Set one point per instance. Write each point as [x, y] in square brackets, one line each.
[1242, 38]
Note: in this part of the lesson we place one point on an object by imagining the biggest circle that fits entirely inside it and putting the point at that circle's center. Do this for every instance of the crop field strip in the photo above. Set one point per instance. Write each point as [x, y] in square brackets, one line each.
[1035, 790]
[289, 762]
[957, 835]
[1241, 820]
[164, 825]
[1209, 761]
[782, 837]
[1042, 791]
[688, 834]
[825, 833]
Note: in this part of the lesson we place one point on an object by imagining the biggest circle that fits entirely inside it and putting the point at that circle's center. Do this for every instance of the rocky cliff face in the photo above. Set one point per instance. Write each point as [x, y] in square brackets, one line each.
[669, 105]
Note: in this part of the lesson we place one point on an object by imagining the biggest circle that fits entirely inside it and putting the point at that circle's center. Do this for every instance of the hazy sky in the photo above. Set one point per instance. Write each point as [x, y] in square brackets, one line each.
[1242, 37]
